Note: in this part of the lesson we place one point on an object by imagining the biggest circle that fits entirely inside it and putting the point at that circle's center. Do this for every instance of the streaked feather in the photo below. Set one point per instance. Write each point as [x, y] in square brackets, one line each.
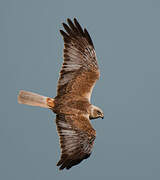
[75, 142]
[79, 60]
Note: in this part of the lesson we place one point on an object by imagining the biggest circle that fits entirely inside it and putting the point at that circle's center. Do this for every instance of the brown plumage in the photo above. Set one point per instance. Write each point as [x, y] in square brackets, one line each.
[72, 104]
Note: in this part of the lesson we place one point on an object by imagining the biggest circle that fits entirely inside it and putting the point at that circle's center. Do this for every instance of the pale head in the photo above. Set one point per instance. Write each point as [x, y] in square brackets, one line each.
[96, 112]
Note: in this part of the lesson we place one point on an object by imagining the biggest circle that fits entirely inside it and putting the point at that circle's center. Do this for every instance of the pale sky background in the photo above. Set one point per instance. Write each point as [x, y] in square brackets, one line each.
[126, 35]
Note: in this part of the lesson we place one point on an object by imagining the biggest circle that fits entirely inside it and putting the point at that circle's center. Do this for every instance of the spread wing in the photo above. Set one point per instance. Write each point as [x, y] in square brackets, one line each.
[80, 69]
[76, 139]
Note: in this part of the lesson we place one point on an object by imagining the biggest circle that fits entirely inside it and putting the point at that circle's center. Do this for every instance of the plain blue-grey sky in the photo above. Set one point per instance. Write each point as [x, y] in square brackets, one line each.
[126, 35]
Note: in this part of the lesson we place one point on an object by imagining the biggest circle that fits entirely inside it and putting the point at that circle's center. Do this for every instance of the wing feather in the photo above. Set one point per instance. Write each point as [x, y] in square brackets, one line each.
[76, 142]
[80, 68]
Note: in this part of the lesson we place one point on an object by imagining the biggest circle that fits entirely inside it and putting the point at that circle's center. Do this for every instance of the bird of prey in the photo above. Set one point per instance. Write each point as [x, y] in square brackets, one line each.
[72, 104]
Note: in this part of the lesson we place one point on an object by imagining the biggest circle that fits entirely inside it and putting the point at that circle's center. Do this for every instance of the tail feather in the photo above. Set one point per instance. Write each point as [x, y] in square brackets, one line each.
[33, 99]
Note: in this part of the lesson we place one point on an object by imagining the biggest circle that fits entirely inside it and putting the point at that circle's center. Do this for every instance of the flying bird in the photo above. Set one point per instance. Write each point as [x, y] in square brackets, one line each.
[72, 105]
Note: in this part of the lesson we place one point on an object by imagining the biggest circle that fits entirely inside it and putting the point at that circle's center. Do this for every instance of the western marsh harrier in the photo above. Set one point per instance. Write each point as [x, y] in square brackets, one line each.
[72, 104]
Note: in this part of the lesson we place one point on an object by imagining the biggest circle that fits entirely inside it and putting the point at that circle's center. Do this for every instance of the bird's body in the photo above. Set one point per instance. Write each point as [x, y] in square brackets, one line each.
[72, 104]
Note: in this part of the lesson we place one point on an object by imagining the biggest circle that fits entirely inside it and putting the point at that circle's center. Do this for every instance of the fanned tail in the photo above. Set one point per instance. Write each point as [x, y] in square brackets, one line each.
[33, 99]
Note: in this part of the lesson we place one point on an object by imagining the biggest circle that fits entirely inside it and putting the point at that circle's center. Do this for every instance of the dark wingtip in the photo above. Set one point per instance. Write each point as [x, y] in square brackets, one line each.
[78, 26]
[64, 34]
[73, 29]
[61, 168]
[76, 22]
[72, 26]
[61, 31]
[69, 20]
[88, 37]
[59, 163]
[75, 19]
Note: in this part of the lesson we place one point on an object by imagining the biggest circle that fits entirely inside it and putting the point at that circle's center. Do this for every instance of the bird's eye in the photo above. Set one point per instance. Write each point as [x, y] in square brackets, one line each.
[98, 112]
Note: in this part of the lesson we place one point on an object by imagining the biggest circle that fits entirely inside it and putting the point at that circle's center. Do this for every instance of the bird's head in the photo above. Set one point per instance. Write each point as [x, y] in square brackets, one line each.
[96, 112]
